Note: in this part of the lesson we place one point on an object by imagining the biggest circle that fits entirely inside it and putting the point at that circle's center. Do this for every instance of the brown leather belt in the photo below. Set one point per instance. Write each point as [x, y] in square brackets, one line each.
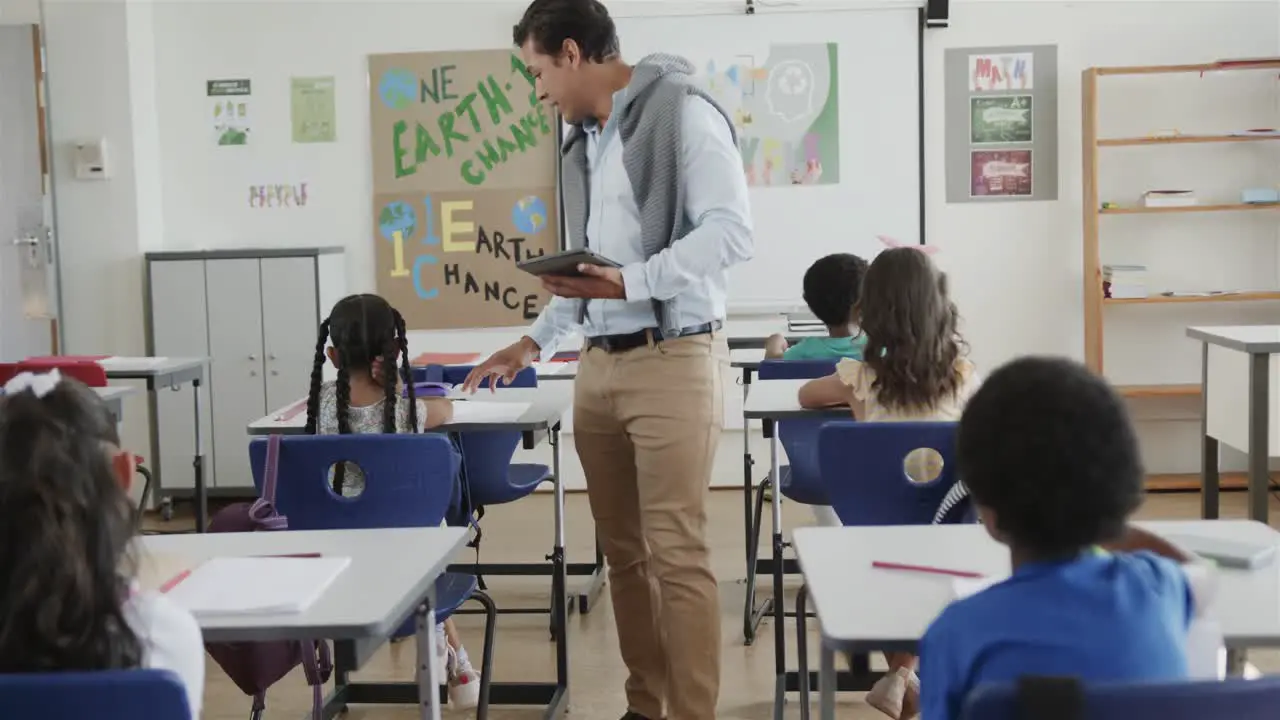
[631, 341]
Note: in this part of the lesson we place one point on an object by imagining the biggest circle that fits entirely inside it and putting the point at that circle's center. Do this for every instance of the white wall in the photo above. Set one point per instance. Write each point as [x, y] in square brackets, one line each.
[1016, 268]
[19, 12]
[92, 91]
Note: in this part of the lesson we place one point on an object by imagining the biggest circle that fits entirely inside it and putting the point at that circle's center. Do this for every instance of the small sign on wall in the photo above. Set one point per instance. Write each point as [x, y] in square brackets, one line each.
[312, 109]
[229, 111]
[1002, 123]
[278, 195]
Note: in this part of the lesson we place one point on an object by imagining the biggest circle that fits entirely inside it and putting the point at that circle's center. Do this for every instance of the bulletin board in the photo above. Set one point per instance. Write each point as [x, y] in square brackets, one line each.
[464, 187]
[1002, 123]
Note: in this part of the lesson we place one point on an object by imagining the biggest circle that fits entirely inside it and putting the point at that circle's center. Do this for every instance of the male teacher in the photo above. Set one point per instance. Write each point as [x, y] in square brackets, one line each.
[653, 180]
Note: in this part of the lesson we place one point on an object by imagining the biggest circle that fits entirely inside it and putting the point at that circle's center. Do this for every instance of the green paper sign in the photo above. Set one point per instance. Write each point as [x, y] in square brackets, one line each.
[313, 110]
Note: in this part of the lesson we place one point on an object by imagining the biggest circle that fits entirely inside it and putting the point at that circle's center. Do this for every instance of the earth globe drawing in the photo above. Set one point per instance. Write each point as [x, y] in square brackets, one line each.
[397, 88]
[397, 216]
[529, 214]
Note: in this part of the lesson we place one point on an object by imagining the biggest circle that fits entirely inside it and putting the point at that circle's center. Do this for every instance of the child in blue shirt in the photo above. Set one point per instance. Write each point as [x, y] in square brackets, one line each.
[831, 287]
[1052, 464]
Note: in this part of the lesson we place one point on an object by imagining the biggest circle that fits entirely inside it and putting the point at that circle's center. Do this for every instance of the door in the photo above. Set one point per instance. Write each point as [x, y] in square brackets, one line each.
[289, 325]
[26, 251]
[236, 389]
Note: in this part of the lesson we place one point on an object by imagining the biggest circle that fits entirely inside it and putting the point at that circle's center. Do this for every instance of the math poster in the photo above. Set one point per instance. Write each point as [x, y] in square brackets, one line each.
[464, 187]
[785, 104]
[1001, 106]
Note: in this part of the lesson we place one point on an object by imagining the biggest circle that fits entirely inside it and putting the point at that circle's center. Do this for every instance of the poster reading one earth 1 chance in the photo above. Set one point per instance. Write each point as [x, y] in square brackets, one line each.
[464, 170]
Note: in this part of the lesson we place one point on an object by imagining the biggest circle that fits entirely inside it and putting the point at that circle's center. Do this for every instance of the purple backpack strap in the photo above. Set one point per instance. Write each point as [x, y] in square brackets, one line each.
[263, 511]
[317, 666]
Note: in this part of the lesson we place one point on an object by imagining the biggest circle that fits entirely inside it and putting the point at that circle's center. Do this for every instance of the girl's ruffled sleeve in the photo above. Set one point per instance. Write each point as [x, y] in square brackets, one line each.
[854, 373]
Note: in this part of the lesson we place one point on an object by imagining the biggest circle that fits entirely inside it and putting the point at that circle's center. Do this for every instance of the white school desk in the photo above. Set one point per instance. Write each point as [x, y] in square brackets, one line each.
[546, 405]
[836, 563]
[169, 372]
[771, 401]
[1240, 406]
[390, 578]
[114, 396]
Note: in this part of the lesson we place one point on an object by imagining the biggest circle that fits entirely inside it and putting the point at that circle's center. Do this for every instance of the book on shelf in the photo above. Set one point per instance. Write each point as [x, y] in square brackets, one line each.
[1168, 198]
[1124, 281]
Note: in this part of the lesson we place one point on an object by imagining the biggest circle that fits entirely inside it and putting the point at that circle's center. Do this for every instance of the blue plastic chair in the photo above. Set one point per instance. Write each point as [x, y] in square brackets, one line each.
[1235, 698]
[862, 470]
[800, 479]
[491, 477]
[408, 483]
[100, 695]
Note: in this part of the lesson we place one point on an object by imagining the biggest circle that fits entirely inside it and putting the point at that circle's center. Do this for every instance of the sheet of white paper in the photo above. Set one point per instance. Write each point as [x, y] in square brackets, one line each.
[475, 411]
[256, 585]
[132, 362]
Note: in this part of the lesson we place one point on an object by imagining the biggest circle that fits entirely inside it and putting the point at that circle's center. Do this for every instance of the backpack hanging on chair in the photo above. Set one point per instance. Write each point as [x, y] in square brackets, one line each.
[256, 666]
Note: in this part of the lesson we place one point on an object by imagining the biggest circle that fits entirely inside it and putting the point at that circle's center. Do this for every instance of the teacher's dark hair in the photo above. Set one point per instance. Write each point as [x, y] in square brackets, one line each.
[586, 22]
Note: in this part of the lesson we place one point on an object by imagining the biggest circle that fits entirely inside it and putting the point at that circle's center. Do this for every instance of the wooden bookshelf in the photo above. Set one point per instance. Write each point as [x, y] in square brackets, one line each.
[1095, 305]
[1183, 140]
[1158, 391]
[1184, 482]
[1229, 207]
[1220, 66]
[1224, 297]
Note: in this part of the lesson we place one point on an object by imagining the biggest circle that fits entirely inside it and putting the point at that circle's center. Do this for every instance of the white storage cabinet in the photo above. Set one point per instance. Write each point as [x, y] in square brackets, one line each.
[255, 313]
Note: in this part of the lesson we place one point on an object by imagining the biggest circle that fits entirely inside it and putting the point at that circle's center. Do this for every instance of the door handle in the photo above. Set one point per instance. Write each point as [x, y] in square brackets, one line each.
[28, 241]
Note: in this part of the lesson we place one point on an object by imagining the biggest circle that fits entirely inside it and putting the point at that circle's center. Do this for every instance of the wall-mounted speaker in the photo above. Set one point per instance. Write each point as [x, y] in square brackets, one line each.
[936, 13]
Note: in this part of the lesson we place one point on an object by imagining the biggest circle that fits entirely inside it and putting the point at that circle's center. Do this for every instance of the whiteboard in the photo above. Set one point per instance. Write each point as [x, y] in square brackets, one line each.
[878, 192]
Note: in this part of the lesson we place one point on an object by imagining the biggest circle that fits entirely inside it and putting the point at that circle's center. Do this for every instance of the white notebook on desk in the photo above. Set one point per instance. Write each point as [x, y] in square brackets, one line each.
[256, 585]
[479, 411]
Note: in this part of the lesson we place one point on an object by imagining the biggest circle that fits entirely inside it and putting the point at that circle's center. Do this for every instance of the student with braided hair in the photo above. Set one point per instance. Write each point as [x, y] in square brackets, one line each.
[364, 338]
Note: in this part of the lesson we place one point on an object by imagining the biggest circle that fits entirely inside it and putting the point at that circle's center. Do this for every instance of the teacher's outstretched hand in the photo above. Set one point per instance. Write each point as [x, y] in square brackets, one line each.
[502, 366]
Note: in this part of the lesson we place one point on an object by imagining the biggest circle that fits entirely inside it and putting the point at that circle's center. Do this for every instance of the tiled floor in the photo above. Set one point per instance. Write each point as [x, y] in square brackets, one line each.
[522, 532]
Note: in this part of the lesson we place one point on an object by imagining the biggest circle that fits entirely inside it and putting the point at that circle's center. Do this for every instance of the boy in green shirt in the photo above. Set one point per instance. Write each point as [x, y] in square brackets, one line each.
[831, 287]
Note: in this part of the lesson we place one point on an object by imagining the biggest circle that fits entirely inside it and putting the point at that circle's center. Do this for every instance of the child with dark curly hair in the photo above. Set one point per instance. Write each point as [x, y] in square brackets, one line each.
[831, 287]
[1052, 464]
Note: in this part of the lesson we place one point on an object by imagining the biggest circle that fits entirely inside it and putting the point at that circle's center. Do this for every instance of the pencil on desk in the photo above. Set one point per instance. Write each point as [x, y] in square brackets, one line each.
[925, 569]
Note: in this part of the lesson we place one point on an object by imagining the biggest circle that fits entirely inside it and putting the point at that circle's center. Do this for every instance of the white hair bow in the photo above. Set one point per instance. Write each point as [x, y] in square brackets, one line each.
[40, 384]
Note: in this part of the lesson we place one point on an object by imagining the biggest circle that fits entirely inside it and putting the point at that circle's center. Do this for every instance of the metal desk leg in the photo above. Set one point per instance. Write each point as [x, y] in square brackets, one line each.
[559, 593]
[1259, 452]
[826, 683]
[428, 674]
[201, 493]
[1209, 482]
[748, 611]
[779, 609]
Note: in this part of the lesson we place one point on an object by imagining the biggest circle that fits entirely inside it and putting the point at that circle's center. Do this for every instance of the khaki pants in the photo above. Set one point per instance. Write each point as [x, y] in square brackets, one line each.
[646, 425]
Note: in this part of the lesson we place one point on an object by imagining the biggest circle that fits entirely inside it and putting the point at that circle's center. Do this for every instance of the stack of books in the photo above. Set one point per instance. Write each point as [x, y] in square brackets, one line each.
[1169, 198]
[1124, 281]
[804, 323]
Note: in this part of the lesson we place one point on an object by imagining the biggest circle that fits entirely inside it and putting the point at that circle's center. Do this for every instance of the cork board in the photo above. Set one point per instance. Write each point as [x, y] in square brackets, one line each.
[464, 187]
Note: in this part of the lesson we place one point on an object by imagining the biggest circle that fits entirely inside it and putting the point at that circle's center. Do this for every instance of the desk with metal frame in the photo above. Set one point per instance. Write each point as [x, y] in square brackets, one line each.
[169, 372]
[772, 401]
[541, 419]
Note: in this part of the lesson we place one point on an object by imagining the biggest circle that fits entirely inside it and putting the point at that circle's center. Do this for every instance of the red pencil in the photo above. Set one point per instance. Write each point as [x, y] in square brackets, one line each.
[173, 581]
[925, 569]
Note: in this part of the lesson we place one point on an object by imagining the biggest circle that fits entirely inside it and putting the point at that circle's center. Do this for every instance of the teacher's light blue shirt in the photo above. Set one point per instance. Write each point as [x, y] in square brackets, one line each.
[695, 267]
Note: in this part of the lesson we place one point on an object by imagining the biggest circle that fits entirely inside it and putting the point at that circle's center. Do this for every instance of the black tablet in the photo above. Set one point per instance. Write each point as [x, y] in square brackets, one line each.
[565, 263]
